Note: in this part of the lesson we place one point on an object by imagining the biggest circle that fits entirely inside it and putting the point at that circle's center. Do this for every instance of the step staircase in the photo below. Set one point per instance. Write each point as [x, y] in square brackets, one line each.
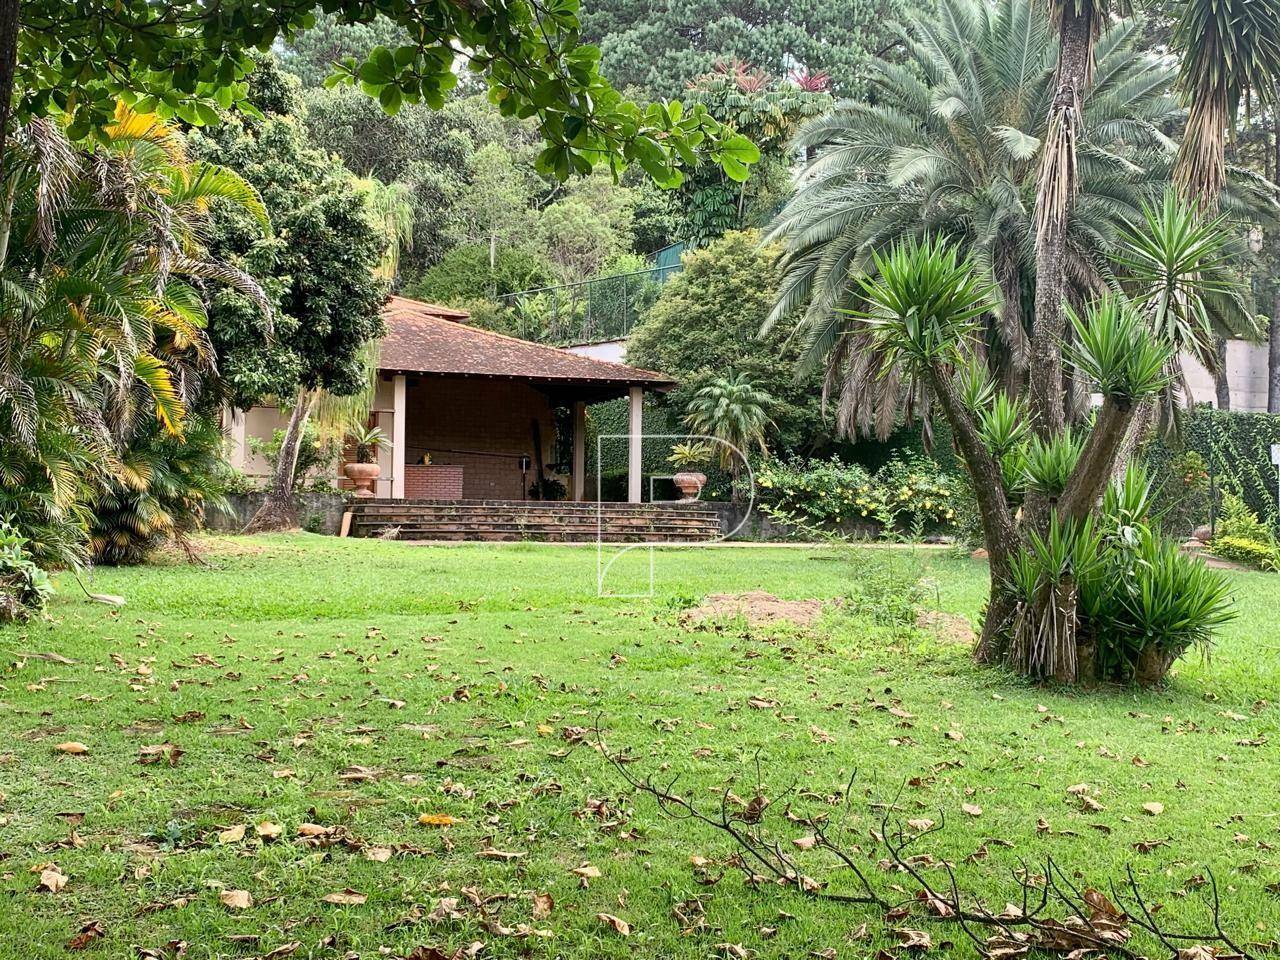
[513, 520]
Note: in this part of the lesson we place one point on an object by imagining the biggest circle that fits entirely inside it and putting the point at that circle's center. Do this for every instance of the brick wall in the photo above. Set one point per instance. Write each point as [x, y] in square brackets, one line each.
[484, 426]
[433, 482]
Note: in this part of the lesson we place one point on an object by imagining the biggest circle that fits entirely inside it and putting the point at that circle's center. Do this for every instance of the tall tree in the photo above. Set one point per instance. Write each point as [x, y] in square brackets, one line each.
[1078, 23]
[321, 267]
[1228, 49]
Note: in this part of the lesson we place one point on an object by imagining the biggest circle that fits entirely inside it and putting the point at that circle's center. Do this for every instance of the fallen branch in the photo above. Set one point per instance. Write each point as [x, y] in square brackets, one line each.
[1048, 913]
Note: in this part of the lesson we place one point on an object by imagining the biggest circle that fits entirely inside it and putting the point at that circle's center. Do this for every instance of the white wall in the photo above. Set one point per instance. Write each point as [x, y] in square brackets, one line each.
[1246, 372]
[613, 351]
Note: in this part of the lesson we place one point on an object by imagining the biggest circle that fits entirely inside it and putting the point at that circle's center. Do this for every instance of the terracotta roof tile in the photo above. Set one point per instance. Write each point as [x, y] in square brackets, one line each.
[426, 338]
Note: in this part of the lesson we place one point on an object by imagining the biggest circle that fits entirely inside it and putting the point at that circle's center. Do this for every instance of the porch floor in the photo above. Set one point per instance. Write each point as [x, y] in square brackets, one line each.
[557, 521]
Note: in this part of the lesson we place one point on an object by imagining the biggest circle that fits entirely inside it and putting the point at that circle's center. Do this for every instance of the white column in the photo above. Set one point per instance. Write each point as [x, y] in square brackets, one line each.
[399, 405]
[579, 450]
[635, 444]
[238, 437]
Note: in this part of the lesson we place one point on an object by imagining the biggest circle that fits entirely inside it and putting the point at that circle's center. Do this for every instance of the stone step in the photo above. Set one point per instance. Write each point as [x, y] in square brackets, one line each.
[408, 517]
[563, 536]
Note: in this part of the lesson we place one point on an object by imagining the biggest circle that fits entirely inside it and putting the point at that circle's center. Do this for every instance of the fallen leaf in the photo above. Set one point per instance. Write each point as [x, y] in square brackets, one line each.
[971, 809]
[1153, 808]
[543, 904]
[436, 820]
[268, 830]
[52, 878]
[160, 752]
[72, 747]
[236, 899]
[232, 834]
[617, 923]
[91, 931]
[490, 853]
[345, 898]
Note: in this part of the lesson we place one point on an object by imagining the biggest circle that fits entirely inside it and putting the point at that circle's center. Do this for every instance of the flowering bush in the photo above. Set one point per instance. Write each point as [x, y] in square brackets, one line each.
[906, 494]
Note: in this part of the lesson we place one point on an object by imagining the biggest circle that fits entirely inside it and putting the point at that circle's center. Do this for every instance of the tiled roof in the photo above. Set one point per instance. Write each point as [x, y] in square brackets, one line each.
[430, 339]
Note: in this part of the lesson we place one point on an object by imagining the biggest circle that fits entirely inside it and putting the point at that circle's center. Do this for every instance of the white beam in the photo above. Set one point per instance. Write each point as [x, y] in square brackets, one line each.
[635, 444]
[579, 450]
[400, 406]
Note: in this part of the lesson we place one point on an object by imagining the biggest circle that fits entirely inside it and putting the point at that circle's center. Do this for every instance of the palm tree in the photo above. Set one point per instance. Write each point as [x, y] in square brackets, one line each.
[1078, 24]
[945, 145]
[1181, 270]
[1228, 49]
[101, 318]
[734, 410]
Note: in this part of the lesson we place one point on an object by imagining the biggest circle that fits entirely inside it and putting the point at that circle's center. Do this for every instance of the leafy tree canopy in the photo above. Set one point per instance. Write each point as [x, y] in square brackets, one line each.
[319, 265]
[706, 325]
[189, 58]
[660, 46]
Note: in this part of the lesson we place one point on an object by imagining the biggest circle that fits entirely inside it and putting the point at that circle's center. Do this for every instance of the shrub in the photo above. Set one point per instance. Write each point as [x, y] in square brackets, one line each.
[1264, 556]
[175, 481]
[906, 494]
[1142, 602]
[24, 587]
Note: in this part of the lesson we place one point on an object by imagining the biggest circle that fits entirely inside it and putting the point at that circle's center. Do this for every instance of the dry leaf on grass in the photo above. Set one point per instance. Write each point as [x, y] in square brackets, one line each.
[618, 924]
[91, 931]
[436, 820]
[72, 747]
[52, 879]
[236, 899]
[268, 830]
[232, 834]
[543, 904]
[160, 753]
[345, 898]
[1153, 808]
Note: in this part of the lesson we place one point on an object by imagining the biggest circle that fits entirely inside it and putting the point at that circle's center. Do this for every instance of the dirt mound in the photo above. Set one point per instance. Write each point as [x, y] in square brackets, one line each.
[947, 627]
[756, 607]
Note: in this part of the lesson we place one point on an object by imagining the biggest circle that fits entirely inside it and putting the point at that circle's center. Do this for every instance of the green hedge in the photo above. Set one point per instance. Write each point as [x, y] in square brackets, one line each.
[1234, 448]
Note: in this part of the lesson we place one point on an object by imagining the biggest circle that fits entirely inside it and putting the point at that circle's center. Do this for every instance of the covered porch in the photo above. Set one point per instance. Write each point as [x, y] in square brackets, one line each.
[476, 415]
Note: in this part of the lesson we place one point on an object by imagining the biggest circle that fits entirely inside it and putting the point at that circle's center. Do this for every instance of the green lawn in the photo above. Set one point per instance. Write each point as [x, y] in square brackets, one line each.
[361, 684]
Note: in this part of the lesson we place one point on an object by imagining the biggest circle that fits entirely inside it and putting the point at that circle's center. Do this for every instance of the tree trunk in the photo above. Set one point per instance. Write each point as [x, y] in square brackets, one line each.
[279, 511]
[1055, 196]
[999, 534]
[1221, 383]
[9, 26]
[1273, 355]
[1097, 460]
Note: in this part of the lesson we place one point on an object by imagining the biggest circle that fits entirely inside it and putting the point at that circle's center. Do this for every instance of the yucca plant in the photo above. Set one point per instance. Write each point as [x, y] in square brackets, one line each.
[1003, 422]
[1117, 352]
[1048, 465]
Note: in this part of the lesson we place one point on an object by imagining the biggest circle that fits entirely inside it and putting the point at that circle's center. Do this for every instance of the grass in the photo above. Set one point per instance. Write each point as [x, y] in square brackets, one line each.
[451, 676]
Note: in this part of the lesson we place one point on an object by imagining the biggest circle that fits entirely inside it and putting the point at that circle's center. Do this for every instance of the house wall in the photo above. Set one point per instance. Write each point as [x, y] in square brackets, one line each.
[1246, 372]
[484, 426]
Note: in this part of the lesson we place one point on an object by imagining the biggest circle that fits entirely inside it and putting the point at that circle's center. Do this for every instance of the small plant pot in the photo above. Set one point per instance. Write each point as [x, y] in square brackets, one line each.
[362, 475]
[689, 484]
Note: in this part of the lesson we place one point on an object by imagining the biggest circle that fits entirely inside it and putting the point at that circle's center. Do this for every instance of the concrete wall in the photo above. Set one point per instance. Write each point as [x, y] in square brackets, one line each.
[1246, 372]
[319, 511]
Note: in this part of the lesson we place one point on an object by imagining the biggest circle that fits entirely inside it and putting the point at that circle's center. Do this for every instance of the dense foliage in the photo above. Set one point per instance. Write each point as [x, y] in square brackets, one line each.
[905, 496]
[968, 171]
[105, 338]
[706, 323]
[660, 47]
[318, 266]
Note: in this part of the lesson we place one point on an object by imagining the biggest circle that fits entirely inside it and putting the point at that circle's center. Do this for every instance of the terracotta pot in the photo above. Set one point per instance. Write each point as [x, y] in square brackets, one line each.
[689, 483]
[362, 475]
